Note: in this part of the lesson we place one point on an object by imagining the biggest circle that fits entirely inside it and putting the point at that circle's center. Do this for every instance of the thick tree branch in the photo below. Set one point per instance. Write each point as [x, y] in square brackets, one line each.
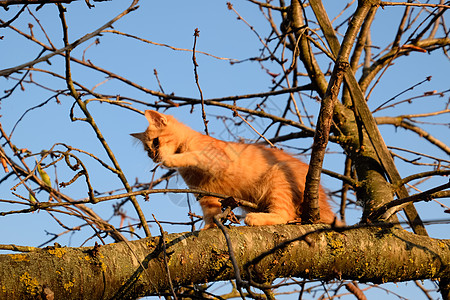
[310, 213]
[116, 271]
[365, 117]
[186, 265]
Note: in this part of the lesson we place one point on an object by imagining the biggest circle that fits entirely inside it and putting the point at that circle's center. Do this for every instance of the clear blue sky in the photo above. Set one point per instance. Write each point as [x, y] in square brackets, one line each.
[173, 23]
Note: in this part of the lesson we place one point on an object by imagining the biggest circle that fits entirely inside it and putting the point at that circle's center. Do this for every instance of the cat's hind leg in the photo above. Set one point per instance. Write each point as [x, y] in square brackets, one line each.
[280, 211]
[278, 190]
[211, 207]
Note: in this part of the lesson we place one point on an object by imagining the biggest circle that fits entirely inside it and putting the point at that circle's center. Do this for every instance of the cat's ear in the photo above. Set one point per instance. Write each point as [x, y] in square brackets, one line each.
[140, 136]
[155, 118]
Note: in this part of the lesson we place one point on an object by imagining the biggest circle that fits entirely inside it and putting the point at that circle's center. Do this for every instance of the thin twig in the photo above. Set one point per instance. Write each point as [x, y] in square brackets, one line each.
[355, 290]
[400, 122]
[231, 60]
[18, 248]
[425, 174]
[401, 93]
[254, 129]
[166, 264]
[270, 6]
[398, 204]
[6, 72]
[90, 119]
[6, 24]
[194, 60]
[386, 3]
[237, 273]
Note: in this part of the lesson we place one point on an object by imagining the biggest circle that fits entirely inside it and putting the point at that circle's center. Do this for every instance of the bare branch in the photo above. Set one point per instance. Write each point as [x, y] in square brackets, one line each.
[401, 122]
[69, 47]
[386, 211]
[386, 3]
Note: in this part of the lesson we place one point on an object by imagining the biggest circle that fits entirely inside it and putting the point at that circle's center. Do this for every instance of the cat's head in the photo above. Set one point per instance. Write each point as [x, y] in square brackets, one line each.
[150, 145]
[150, 137]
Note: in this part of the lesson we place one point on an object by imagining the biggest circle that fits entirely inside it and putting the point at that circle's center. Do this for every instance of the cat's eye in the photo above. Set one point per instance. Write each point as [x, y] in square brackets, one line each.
[155, 143]
[153, 149]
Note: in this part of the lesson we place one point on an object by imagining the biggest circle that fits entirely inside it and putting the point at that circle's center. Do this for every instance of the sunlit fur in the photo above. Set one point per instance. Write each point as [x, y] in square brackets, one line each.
[270, 178]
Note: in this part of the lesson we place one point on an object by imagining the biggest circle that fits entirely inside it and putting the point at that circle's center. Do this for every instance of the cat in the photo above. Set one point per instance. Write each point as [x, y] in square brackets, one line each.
[268, 177]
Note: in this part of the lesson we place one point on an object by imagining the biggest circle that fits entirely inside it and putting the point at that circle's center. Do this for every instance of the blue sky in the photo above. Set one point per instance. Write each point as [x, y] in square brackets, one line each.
[173, 23]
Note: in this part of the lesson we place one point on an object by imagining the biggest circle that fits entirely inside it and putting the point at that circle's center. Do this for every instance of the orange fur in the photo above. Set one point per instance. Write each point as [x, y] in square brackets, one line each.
[270, 178]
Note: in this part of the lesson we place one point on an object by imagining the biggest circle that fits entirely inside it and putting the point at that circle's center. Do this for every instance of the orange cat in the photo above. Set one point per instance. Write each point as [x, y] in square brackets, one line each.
[270, 178]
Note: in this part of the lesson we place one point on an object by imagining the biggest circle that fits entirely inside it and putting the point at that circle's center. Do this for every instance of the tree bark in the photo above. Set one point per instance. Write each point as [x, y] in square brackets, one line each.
[364, 116]
[133, 269]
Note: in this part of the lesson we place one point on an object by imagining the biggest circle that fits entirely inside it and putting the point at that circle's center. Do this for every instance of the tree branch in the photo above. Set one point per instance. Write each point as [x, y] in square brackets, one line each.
[386, 3]
[386, 210]
[365, 116]
[89, 119]
[9, 71]
[6, 3]
[401, 122]
[314, 251]
[311, 212]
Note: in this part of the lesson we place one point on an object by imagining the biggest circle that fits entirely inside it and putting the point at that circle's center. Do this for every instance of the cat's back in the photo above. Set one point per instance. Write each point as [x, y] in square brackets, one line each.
[251, 164]
[260, 155]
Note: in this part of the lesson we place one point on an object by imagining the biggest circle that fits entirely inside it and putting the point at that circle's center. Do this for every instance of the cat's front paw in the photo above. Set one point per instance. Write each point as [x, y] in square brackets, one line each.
[254, 219]
[258, 219]
[169, 161]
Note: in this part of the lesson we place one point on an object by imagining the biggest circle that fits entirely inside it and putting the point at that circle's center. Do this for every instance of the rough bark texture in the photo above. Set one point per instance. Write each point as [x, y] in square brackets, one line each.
[305, 52]
[382, 161]
[116, 271]
[311, 210]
